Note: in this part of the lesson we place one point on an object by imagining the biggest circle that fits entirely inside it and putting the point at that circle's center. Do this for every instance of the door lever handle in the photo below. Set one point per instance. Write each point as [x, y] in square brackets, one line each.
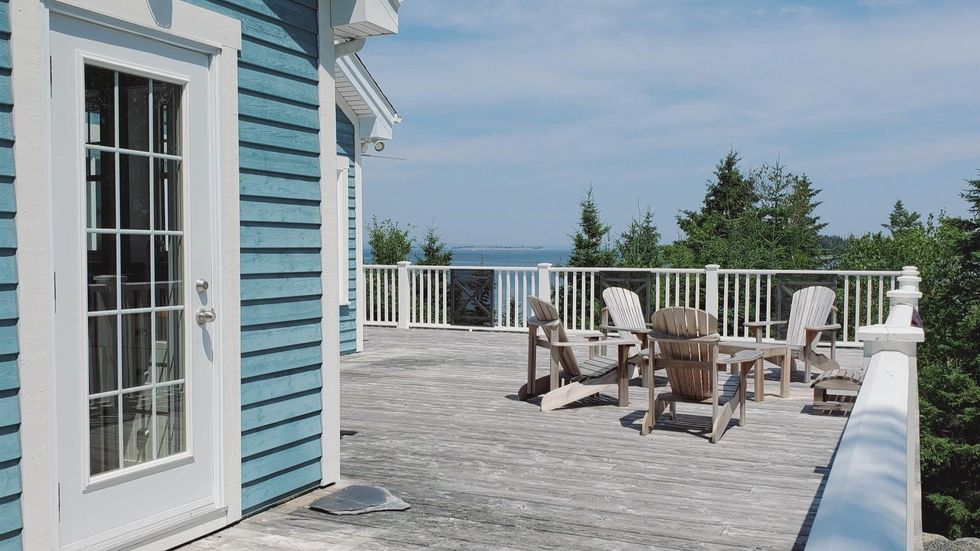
[205, 316]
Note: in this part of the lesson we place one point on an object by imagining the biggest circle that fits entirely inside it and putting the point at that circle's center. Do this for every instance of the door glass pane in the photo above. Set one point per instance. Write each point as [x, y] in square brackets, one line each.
[137, 361]
[166, 118]
[134, 191]
[169, 345]
[100, 106]
[134, 112]
[100, 189]
[102, 353]
[101, 271]
[135, 270]
[103, 434]
[167, 194]
[137, 440]
[169, 270]
[136, 358]
[170, 420]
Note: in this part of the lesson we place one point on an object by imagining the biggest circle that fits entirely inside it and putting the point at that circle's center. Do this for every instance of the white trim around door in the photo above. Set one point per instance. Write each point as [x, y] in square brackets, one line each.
[176, 23]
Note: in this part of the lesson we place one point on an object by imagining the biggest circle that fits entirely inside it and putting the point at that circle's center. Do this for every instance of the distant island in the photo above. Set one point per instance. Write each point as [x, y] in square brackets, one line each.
[500, 247]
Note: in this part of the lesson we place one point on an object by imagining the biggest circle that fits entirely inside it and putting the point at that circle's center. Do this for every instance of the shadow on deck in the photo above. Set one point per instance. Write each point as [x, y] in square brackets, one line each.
[432, 415]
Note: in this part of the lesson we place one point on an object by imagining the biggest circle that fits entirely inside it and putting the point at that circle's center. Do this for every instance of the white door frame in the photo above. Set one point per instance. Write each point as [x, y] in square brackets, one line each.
[187, 26]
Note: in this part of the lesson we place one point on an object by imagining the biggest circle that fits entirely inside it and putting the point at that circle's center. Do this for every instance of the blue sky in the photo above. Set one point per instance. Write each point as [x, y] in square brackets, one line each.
[511, 108]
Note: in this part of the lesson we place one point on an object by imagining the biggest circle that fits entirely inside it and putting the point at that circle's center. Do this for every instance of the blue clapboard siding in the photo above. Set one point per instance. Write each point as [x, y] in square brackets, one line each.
[348, 313]
[10, 484]
[280, 239]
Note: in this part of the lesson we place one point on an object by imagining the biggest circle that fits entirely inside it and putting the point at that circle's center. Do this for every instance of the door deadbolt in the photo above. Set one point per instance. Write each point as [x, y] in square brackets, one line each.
[202, 285]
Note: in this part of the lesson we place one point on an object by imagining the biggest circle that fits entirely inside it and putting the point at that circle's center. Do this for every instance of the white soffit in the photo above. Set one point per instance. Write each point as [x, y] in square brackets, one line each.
[376, 117]
[362, 18]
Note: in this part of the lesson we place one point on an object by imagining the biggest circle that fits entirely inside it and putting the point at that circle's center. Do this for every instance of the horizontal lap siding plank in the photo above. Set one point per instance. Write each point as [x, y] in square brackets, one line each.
[262, 183]
[280, 246]
[10, 451]
[264, 81]
[265, 287]
[265, 362]
[297, 405]
[279, 310]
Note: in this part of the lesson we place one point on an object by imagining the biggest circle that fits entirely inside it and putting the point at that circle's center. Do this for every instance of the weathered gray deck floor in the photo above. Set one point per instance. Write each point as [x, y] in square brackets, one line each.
[432, 416]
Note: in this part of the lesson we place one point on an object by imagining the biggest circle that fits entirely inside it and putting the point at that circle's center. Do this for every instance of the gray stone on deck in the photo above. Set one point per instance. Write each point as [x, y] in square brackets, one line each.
[359, 499]
[437, 422]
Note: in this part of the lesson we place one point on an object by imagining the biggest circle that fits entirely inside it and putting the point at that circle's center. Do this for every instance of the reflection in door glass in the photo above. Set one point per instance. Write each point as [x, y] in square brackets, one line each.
[136, 327]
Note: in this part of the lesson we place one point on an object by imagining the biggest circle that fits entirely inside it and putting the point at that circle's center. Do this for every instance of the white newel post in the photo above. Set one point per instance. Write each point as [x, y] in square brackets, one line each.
[711, 289]
[404, 304]
[544, 281]
[898, 335]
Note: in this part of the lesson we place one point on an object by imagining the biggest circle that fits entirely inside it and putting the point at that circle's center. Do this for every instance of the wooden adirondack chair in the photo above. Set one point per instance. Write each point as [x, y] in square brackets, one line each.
[689, 351]
[808, 315]
[623, 315]
[569, 379]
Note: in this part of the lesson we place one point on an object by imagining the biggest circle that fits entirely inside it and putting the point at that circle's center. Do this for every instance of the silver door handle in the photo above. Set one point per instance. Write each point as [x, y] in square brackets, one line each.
[205, 316]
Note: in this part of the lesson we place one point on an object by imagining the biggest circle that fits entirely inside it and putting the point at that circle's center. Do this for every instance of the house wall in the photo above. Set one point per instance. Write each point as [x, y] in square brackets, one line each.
[10, 454]
[281, 248]
[346, 146]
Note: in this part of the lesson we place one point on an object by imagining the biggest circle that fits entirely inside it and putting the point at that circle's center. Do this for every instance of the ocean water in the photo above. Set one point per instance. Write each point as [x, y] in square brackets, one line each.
[475, 256]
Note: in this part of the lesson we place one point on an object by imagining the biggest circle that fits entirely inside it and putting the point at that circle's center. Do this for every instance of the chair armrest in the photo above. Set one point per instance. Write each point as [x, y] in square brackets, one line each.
[538, 323]
[754, 324]
[594, 344]
[643, 330]
[660, 337]
[818, 328]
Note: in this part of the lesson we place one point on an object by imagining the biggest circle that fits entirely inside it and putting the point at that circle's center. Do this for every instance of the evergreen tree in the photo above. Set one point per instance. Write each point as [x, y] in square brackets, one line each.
[389, 242]
[731, 194]
[803, 225]
[434, 250]
[728, 198]
[588, 248]
[639, 246]
[947, 253]
[901, 219]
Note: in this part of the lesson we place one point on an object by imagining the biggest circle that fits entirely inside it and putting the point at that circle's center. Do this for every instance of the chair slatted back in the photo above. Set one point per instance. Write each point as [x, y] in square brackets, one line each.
[624, 308]
[811, 307]
[687, 323]
[545, 311]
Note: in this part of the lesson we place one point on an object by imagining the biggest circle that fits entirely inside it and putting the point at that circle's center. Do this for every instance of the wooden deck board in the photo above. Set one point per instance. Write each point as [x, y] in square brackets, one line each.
[432, 415]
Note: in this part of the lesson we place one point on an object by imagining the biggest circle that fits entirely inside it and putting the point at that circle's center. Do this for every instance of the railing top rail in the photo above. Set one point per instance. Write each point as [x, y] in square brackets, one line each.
[651, 270]
[741, 271]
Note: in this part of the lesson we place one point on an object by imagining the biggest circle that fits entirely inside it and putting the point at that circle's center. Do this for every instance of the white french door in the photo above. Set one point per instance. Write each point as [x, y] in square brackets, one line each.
[132, 171]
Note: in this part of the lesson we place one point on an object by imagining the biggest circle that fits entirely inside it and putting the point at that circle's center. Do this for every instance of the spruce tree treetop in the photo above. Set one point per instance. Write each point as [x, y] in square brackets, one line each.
[639, 246]
[588, 247]
[435, 252]
[731, 194]
[902, 219]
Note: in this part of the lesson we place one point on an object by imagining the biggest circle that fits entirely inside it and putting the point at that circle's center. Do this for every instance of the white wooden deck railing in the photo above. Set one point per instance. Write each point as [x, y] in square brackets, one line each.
[407, 295]
[872, 499]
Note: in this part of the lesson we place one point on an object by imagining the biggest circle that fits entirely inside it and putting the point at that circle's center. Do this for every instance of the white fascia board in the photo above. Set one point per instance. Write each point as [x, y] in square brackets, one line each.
[377, 120]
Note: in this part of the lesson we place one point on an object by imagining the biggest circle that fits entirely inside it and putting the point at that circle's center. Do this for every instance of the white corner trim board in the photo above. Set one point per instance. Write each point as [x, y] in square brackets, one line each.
[174, 22]
[329, 255]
